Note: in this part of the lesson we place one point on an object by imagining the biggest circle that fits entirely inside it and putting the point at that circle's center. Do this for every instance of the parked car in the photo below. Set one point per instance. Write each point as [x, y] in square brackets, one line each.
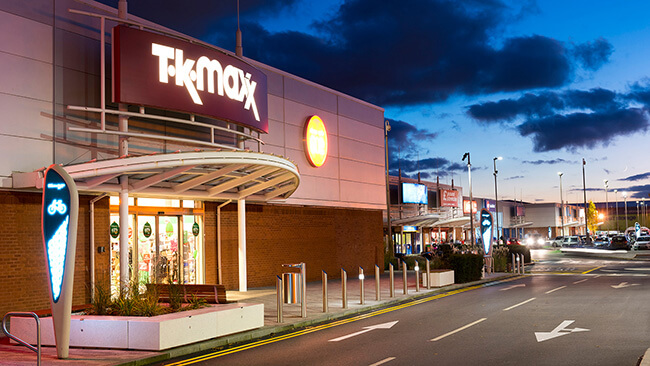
[642, 243]
[572, 241]
[557, 241]
[513, 241]
[601, 242]
[619, 242]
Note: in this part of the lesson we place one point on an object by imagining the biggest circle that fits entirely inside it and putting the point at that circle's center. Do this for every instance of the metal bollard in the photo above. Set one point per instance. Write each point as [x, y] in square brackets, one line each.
[428, 274]
[405, 278]
[377, 284]
[303, 304]
[521, 263]
[324, 279]
[392, 279]
[344, 288]
[513, 263]
[417, 277]
[361, 286]
[280, 291]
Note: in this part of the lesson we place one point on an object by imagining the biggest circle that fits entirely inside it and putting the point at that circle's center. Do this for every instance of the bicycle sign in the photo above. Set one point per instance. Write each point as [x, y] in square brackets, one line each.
[57, 205]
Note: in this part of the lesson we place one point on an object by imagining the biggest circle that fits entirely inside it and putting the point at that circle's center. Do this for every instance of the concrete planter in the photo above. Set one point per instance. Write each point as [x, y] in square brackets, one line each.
[147, 333]
[438, 277]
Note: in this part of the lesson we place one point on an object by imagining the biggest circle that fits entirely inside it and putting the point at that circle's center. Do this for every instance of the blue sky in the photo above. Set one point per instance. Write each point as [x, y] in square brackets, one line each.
[542, 83]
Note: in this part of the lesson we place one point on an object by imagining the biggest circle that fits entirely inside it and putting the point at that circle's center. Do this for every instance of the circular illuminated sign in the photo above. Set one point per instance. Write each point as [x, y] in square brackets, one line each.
[316, 141]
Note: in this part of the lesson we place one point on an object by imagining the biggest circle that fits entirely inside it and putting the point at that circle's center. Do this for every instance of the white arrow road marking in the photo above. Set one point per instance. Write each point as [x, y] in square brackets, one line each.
[366, 329]
[383, 361]
[457, 330]
[513, 286]
[559, 331]
[624, 285]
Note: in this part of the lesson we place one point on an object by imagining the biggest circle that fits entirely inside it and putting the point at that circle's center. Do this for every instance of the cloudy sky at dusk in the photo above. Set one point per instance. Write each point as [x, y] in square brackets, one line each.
[543, 84]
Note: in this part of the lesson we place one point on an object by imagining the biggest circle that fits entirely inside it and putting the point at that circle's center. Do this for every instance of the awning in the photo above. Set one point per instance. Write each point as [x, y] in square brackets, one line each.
[521, 224]
[420, 220]
[573, 224]
[204, 175]
[453, 222]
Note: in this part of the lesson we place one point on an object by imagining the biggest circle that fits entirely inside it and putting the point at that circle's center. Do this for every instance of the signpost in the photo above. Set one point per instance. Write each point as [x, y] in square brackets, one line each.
[59, 228]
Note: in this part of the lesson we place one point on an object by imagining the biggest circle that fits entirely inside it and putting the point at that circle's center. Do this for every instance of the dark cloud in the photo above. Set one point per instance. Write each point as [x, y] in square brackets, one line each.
[593, 55]
[514, 177]
[640, 191]
[634, 178]
[582, 130]
[569, 119]
[549, 162]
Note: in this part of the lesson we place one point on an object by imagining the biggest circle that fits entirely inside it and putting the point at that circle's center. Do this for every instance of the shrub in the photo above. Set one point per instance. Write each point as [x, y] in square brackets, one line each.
[519, 249]
[467, 267]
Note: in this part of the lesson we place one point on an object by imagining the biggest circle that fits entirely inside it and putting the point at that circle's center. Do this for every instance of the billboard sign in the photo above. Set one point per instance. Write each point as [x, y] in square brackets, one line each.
[151, 69]
[414, 193]
[466, 207]
[449, 198]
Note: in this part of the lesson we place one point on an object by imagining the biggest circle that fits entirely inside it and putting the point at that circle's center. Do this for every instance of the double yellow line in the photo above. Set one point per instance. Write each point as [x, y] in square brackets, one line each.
[322, 327]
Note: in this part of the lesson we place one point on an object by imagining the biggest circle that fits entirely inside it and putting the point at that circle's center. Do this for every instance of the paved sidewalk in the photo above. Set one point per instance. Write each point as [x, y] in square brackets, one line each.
[19, 355]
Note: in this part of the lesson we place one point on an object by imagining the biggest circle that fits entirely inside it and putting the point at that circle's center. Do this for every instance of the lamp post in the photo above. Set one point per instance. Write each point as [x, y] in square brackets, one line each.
[560, 174]
[606, 201]
[471, 200]
[616, 213]
[637, 211]
[391, 248]
[625, 199]
[584, 192]
[496, 195]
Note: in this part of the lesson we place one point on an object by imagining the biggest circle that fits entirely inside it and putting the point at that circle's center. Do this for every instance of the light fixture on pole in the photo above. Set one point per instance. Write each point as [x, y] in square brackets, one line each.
[584, 192]
[606, 201]
[560, 174]
[625, 199]
[496, 195]
[616, 206]
[391, 247]
[471, 200]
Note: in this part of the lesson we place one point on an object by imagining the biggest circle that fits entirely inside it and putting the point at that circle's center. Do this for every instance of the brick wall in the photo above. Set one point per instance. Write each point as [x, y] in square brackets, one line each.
[324, 238]
[23, 279]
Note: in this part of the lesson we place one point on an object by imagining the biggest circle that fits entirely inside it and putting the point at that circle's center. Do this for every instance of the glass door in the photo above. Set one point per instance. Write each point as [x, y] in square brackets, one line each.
[191, 266]
[147, 258]
[168, 253]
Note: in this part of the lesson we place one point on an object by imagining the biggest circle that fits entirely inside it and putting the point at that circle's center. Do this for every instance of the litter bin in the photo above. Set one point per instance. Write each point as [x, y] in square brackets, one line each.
[292, 287]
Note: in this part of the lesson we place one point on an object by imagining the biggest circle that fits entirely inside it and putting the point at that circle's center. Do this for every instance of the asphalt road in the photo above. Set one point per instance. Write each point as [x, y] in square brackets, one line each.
[570, 311]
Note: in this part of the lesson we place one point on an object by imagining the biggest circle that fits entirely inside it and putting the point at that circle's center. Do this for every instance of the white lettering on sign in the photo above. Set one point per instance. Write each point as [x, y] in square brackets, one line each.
[191, 74]
[57, 186]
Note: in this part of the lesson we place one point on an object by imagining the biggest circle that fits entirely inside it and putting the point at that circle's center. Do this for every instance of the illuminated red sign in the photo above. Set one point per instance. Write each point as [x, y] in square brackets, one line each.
[449, 198]
[316, 141]
[154, 70]
[466, 207]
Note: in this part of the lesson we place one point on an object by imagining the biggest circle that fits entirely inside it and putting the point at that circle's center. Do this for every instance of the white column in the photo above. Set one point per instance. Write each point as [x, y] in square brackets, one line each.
[241, 226]
[124, 233]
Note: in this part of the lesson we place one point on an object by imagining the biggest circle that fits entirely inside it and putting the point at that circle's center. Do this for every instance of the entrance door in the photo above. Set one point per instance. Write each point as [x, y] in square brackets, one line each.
[169, 269]
[147, 249]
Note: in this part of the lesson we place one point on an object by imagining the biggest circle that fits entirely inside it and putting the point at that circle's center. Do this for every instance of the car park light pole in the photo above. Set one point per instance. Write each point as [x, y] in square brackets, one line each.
[496, 195]
[560, 174]
[616, 206]
[584, 192]
[471, 201]
[625, 199]
[606, 201]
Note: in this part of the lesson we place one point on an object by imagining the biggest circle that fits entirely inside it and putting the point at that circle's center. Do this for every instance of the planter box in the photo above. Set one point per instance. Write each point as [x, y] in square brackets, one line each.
[438, 277]
[147, 333]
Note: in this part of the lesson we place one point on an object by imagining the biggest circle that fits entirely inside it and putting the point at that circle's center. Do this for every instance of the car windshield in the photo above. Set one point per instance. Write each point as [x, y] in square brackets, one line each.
[643, 238]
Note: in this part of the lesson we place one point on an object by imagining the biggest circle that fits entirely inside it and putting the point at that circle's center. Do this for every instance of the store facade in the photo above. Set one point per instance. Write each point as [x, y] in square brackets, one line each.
[197, 194]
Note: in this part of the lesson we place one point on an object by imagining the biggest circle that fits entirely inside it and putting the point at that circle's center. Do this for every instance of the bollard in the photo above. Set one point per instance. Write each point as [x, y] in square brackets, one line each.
[344, 288]
[324, 279]
[405, 278]
[280, 292]
[303, 303]
[377, 284]
[417, 277]
[513, 263]
[521, 263]
[392, 279]
[361, 287]
[428, 274]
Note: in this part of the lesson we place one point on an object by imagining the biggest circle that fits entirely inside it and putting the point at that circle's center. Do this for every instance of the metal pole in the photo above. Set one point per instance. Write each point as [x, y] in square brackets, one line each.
[513, 262]
[392, 279]
[377, 284]
[496, 195]
[471, 199]
[361, 286]
[428, 274]
[616, 206]
[324, 279]
[417, 277]
[391, 247]
[344, 288]
[280, 292]
[606, 201]
[561, 203]
[303, 303]
[584, 192]
[404, 277]
[625, 198]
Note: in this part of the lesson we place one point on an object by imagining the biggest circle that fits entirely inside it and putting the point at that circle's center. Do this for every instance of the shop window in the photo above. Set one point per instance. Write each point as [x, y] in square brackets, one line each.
[115, 201]
[158, 202]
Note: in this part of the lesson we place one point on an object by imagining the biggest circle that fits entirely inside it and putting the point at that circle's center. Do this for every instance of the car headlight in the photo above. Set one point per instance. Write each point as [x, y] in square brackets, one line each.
[540, 241]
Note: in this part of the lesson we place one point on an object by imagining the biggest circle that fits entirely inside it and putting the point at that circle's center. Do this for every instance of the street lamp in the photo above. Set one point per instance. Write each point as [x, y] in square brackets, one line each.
[391, 248]
[584, 192]
[616, 213]
[471, 200]
[606, 201]
[625, 198]
[561, 202]
[496, 195]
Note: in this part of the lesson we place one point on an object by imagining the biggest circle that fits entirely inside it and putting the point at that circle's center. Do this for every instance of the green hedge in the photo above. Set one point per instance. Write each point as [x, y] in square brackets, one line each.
[519, 249]
[467, 267]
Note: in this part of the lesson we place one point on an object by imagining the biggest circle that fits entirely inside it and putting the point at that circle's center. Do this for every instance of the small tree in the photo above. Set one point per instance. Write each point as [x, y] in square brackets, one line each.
[592, 217]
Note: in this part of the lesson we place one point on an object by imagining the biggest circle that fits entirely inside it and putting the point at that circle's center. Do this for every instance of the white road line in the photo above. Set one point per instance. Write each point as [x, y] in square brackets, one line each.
[383, 361]
[457, 330]
[581, 281]
[555, 289]
[521, 303]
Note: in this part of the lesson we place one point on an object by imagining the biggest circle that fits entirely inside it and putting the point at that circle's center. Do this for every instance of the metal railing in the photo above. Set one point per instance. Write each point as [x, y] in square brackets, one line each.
[36, 349]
